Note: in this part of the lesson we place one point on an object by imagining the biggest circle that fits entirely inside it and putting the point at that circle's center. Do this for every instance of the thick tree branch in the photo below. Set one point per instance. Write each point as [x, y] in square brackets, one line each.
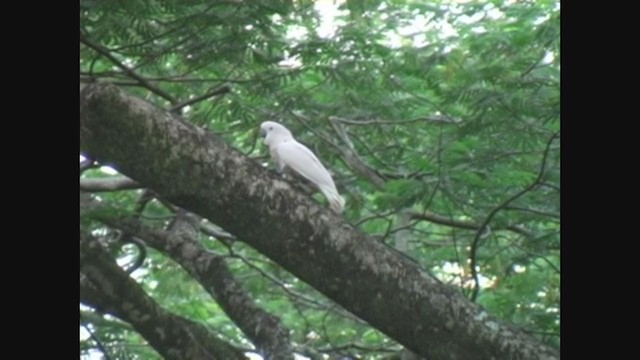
[265, 330]
[200, 172]
[104, 286]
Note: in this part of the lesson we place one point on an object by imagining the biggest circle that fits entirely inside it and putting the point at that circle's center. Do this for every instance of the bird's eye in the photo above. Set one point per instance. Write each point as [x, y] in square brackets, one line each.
[270, 127]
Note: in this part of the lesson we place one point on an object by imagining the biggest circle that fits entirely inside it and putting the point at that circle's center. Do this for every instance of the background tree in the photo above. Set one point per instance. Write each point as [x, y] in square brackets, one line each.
[440, 122]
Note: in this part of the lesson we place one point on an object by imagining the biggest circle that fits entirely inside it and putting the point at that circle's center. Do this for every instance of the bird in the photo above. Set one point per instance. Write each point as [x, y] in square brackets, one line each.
[286, 151]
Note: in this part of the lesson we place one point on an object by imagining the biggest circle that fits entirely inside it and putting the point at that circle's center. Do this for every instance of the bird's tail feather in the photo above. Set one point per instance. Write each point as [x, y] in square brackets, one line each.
[335, 200]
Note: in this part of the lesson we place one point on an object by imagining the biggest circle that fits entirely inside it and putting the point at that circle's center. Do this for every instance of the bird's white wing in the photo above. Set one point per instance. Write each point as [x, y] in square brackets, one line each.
[299, 158]
[302, 160]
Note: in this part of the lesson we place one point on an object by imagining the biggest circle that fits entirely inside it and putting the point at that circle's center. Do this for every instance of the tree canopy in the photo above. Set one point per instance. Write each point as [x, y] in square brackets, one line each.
[438, 120]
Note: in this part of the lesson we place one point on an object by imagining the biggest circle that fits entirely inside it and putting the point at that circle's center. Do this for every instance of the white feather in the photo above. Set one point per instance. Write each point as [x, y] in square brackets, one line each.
[286, 151]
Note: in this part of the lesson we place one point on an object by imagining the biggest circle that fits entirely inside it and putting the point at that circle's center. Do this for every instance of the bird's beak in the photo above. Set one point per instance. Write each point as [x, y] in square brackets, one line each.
[263, 132]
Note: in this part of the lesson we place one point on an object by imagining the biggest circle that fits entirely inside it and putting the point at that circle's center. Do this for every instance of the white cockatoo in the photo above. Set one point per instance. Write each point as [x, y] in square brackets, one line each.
[286, 151]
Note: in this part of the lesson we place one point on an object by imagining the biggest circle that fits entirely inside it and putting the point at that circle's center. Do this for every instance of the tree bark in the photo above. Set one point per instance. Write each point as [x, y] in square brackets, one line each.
[106, 287]
[200, 172]
[265, 330]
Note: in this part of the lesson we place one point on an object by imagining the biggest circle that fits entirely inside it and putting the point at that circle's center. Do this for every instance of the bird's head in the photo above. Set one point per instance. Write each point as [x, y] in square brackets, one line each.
[272, 131]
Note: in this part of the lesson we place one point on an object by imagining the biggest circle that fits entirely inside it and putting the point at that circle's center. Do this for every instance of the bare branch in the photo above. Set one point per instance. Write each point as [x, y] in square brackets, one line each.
[108, 184]
[103, 285]
[442, 220]
[99, 344]
[432, 118]
[142, 81]
[533, 211]
[348, 155]
[218, 91]
[211, 230]
[265, 330]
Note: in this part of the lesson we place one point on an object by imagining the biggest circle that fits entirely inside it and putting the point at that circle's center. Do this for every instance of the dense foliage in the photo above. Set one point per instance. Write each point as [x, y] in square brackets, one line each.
[439, 120]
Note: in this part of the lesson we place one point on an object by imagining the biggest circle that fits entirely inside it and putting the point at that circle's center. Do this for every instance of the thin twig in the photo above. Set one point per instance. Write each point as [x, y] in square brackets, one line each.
[219, 91]
[432, 118]
[142, 81]
[98, 342]
[441, 220]
[485, 223]
[533, 211]
[348, 155]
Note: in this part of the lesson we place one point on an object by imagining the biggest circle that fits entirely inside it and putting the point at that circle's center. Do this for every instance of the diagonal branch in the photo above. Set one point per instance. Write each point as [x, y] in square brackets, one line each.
[265, 330]
[200, 172]
[142, 81]
[103, 285]
[348, 155]
[103, 350]
[218, 91]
